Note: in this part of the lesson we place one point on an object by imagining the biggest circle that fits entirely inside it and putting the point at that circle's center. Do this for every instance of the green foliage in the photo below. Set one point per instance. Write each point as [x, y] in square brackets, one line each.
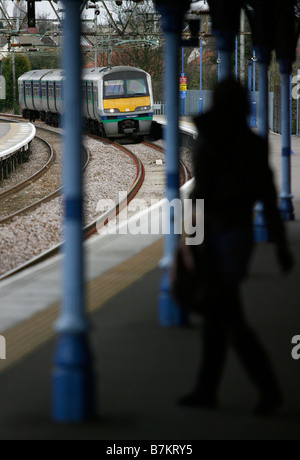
[137, 49]
[41, 61]
[22, 65]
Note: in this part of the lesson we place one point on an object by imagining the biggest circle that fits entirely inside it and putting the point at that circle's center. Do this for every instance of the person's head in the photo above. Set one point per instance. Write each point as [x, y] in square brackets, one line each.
[231, 99]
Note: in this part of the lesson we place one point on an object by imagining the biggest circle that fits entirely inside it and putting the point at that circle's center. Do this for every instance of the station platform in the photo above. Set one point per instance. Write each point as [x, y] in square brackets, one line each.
[142, 368]
[13, 137]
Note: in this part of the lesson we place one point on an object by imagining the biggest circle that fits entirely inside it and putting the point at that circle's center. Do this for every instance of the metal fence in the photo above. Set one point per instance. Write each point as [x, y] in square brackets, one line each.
[192, 103]
[159, 108]
[271, 108]
[295, 114]
[277, 110]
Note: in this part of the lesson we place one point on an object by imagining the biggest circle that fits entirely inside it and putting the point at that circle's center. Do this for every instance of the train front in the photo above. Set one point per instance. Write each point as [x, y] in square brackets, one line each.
[127, 103]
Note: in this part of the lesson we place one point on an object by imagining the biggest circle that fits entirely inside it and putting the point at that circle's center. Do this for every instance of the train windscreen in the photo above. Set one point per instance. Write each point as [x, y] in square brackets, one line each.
[124, 85]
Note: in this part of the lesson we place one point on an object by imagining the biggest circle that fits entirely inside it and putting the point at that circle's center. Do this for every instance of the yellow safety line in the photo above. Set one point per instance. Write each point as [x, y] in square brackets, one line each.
[26, 337]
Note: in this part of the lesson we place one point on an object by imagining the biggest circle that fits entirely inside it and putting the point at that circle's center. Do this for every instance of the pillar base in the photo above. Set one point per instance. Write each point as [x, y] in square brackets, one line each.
[170, 314]
[286, 209]
[73, 380]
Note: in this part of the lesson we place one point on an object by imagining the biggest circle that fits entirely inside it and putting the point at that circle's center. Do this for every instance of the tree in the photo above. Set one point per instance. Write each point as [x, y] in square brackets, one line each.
[22, 66]
[44, 61]
[134, 40]
[210, 66]
[43, 23]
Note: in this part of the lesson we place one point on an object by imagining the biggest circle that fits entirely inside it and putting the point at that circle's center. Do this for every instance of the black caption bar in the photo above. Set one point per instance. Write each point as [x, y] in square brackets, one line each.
[142, 449]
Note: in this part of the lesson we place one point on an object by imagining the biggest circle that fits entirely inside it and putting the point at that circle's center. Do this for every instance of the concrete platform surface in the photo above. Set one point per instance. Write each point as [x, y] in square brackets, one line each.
[14, 136]
[142, 369]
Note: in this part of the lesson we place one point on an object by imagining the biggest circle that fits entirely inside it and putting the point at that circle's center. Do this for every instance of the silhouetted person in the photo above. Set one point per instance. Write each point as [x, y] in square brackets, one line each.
[232, 174]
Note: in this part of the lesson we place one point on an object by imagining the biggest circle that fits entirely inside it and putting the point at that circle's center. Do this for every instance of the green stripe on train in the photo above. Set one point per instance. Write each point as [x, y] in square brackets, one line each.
[121, 119]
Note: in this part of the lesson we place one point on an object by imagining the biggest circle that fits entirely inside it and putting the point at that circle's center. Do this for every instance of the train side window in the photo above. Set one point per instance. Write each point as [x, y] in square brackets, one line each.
[89, 93]
[58, 91]
[21, 90]
[36, 89]
[28, 89]
[95, 95]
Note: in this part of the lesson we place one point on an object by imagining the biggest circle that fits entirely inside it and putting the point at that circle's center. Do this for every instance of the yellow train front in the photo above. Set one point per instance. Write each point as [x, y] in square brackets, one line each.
[118, 101]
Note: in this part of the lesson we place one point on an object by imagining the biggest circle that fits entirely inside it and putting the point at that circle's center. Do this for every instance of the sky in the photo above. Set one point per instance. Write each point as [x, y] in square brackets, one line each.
[43, 7]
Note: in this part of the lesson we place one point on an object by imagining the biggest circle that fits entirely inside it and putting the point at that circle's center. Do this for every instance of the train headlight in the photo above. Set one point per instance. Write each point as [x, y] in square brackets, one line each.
[144, 108]
[111, 111]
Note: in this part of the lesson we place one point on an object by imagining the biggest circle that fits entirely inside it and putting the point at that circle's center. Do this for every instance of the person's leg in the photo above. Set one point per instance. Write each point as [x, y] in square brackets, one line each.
[252, 355]
[214, 351]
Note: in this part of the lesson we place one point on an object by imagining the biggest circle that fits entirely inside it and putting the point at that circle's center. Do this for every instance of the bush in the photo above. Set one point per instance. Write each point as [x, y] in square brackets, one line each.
[22, 65]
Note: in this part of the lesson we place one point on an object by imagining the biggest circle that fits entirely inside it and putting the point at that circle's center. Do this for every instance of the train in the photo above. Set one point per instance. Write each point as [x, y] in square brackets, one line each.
[117, 101]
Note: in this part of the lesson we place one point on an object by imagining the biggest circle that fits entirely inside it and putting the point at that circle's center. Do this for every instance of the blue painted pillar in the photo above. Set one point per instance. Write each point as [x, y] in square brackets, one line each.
[182, 99]
[73, 386]
[201, 78]
[286, 203]
[254, 105]
[261, 232]
[170, 314]
[250, 90]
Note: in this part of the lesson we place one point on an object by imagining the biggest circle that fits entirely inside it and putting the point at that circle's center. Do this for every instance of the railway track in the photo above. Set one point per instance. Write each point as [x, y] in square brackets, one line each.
[93, 226]
[32, 192]
[101, 221]
[184, 170]
[28, 182]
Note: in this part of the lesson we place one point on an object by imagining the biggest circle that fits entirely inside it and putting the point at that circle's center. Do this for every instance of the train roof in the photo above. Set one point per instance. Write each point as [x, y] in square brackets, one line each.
[54, 75]
[107, 70]
[34, 75]
[87, 74]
